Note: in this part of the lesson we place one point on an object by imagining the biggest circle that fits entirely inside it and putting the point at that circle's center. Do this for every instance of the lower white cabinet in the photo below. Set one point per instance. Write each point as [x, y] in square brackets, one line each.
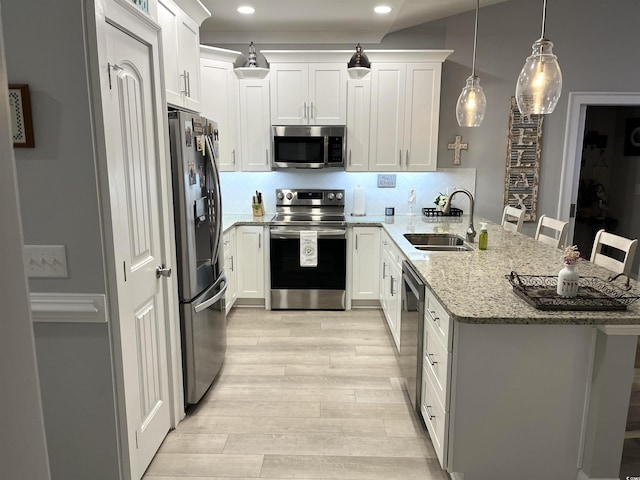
[436, 375]
[250, 243]
[230, 263]
[390, 285]
[365, 263]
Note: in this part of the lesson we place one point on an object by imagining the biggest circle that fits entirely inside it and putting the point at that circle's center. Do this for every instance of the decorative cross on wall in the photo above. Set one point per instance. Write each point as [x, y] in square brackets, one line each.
[458, 146]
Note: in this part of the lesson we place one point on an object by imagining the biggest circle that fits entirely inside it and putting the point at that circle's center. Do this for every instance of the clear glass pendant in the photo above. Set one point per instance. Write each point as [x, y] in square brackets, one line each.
[540, 82]
[472, 104]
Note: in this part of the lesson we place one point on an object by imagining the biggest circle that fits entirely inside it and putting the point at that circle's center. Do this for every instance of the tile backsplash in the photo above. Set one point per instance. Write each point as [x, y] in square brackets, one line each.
[239, 187]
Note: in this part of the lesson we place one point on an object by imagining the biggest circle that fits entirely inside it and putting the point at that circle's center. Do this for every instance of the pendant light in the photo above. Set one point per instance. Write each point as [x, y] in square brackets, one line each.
[540, 81]
[472, 103]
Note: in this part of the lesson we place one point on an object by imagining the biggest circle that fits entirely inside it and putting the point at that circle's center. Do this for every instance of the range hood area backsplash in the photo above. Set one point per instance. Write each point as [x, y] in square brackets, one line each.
[239, 187]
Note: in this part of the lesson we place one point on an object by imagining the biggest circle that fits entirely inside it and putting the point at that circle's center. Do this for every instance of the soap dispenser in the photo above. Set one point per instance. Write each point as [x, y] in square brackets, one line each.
[484, 236]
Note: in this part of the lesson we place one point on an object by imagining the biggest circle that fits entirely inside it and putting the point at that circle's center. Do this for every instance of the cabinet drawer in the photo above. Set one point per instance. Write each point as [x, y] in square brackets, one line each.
[435, 417]
[436, 315]
[436, 359]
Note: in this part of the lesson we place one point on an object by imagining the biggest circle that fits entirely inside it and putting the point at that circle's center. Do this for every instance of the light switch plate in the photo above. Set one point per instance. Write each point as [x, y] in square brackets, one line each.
[386, 180]
[45, 261]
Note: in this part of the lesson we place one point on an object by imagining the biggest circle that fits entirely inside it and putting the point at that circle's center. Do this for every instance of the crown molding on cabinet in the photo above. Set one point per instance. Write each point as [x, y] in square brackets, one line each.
[217, 53]
[195, 9]
[319, 56]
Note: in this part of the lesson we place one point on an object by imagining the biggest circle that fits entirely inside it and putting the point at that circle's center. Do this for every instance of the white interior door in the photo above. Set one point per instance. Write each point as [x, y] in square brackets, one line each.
[133, 173]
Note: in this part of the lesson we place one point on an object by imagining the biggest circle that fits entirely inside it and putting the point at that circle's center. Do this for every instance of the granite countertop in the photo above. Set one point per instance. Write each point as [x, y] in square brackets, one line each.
[471, 285]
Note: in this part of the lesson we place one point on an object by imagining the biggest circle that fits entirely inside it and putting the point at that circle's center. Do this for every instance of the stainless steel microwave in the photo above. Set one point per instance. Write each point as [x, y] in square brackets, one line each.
[308, 146]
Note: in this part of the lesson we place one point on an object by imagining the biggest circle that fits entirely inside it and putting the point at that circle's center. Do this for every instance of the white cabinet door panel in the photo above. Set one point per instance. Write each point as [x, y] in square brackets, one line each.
[387, 117]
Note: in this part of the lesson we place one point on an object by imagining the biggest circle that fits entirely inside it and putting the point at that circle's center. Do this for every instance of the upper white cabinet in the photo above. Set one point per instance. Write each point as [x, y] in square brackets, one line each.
[181, 51]
[220, 101]
[358, 115]
[254, 125]
[405, 110]
[305, 92]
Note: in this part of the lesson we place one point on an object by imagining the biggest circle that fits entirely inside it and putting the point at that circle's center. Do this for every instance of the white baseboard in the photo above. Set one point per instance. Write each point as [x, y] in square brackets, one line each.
[68, 307]
[583, 476]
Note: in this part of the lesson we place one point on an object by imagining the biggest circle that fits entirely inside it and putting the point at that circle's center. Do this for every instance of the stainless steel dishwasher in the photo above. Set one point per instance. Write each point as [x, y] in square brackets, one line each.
[411, 334]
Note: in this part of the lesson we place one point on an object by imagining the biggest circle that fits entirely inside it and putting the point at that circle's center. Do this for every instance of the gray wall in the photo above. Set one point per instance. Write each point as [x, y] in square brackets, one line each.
[59, 205]
[57, 178]
[595, 42]
[23, 450]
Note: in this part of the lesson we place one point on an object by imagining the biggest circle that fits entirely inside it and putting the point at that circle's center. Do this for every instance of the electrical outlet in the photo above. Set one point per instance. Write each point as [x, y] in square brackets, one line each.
[45, 261]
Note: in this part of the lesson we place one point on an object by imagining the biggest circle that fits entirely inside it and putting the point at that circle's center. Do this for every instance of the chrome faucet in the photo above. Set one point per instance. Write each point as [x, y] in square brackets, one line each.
[471, 232]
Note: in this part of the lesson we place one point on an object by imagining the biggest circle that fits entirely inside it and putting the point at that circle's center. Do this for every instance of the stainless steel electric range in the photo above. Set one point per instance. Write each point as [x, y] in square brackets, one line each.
[298, 284]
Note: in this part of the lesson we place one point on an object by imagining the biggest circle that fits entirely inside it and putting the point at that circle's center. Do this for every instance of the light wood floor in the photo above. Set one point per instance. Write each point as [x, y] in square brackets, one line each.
[307, 395]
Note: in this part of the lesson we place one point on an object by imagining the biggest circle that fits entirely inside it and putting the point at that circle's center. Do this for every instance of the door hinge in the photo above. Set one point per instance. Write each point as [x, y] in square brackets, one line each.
[137, 446]
[572, 210]
[124, 269]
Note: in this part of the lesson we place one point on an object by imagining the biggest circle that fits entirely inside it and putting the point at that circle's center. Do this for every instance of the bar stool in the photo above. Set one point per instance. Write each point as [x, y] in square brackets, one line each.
[512, 218]
[558, 228]
[625, 245]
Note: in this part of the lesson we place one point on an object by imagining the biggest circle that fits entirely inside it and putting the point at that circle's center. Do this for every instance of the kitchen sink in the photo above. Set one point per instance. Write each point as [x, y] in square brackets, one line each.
[437, 242]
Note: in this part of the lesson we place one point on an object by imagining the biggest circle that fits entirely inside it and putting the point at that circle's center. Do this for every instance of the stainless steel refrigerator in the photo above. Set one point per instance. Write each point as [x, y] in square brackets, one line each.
[198, 219]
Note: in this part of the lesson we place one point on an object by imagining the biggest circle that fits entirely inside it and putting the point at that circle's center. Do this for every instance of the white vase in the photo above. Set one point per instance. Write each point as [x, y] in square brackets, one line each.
[568, 281]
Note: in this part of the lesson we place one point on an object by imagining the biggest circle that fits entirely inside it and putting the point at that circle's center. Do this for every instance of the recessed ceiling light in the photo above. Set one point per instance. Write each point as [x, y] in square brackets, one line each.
[246, 10]
[382, 9]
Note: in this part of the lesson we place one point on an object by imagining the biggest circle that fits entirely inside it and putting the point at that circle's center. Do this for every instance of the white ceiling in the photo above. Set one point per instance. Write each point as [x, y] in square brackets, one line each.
[321, 21]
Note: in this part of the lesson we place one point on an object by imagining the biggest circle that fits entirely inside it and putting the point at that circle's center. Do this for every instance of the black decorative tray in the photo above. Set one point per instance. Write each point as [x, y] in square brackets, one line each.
[594, 294]
[434, 212]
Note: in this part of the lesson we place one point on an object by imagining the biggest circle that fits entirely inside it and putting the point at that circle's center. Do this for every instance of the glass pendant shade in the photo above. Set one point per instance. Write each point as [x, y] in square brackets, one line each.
[472, 104]
[539, 84]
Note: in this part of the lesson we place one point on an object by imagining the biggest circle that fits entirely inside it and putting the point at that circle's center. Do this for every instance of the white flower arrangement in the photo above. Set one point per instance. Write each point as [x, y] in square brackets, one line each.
[571, 255]
[441, 199]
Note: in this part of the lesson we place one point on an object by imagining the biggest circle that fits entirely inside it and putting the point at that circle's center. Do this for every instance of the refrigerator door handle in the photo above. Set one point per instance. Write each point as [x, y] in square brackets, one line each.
[217, 202]
[207, 303]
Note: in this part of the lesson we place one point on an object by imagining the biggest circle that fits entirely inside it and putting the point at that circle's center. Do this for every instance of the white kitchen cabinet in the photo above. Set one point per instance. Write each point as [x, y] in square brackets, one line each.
[229, 255]
[250, 243]
[255, 126]
[365, 263]
[358, 115]
[308, 93]
[390, 285]
[436, 374]
[180, 52]
[220, 103]
[405, 108]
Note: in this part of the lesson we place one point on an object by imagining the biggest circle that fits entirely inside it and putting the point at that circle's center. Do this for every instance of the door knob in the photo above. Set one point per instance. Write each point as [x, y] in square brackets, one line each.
[163, 271]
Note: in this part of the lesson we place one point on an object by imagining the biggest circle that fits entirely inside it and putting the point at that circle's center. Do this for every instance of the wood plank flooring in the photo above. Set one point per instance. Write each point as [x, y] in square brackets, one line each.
[304, 395]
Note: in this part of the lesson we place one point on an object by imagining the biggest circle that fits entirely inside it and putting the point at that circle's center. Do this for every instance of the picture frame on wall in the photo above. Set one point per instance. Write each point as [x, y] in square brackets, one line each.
[21, 122]
[632, 137]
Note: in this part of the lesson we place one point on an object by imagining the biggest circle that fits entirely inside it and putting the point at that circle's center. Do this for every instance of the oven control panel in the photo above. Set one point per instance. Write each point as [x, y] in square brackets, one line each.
[309, 197]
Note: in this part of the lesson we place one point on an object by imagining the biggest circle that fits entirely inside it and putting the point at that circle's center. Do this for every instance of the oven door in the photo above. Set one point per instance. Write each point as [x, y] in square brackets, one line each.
[293, 286]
